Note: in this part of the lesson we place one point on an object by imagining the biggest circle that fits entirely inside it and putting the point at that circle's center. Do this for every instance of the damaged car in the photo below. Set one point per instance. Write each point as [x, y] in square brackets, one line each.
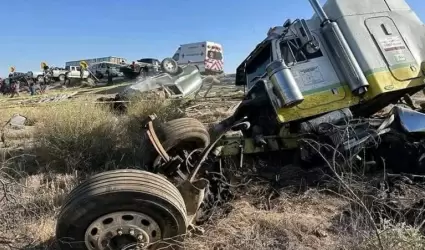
[174, 82]
[141, 67]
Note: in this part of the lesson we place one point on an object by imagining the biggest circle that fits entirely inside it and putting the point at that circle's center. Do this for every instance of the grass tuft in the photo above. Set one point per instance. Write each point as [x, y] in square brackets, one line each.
[77, 136]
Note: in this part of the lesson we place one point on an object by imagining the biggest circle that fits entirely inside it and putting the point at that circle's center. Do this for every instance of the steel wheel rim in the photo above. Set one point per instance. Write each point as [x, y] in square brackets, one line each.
[169, 65]
[122, 230]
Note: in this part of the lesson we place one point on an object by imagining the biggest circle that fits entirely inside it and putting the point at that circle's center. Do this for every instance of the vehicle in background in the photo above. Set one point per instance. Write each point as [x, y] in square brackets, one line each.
[174, 81]
[74, 72]
[100, 69]
[111, 59]
[38, 75]
[23, 79]
[207, 56]
[136, 67]
[58, 74]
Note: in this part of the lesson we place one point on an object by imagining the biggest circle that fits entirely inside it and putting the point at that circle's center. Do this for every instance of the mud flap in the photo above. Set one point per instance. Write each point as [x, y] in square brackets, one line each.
[193, 194]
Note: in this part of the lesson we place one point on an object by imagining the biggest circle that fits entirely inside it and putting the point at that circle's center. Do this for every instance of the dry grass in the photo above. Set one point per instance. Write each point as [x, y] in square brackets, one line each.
[77, 137]
[28, 210]
[396, 236]
[302, 222]
[72, 139]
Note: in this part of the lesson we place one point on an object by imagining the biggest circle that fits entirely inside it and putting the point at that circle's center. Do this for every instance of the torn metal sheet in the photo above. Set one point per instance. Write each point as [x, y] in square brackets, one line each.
[411, 121]
[187, 82]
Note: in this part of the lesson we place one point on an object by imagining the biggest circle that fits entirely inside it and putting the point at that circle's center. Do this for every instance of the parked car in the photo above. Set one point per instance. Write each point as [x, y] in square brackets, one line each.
[38, 75]
[136, 68]
[53, 74]
[99, 69]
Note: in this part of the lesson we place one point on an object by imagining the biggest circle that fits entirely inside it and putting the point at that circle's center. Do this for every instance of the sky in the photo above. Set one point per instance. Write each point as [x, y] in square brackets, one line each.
[56, 31]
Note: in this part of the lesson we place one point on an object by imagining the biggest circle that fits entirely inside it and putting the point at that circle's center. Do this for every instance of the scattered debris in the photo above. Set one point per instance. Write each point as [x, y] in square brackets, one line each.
[177, 85]
[17, 121]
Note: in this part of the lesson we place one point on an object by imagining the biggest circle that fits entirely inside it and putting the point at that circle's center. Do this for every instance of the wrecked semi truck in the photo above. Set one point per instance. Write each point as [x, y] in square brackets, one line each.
[322, 79]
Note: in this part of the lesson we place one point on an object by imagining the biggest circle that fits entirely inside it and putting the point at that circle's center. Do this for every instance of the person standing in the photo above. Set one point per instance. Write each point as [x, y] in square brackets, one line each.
[146, 71]
[32, 88]
[109, 74]
[15, 89]
[67, 80]
[83, 67]
[45, 74]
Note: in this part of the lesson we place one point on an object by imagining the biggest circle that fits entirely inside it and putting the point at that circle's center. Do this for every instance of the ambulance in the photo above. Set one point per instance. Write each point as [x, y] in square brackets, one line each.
[207, 56]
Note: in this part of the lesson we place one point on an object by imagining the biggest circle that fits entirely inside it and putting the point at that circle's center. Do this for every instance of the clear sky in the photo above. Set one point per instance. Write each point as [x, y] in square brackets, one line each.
[56, 31]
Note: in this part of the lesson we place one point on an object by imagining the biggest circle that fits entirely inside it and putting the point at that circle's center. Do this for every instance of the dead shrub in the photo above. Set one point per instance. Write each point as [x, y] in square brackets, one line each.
[166, 110]
[291, 223]
[396, 237]
[138, 110]
[76, 136]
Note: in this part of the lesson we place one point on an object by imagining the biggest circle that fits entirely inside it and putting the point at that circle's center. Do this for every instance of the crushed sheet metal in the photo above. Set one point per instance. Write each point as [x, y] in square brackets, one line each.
[411, 121]
[187, 82]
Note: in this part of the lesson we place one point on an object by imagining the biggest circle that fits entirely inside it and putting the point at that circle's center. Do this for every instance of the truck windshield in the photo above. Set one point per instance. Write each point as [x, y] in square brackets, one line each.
[214, 55]
[176, 56]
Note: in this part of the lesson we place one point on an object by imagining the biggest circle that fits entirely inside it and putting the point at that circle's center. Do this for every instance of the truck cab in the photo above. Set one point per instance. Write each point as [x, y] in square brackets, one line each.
[310, 63]
[74, 72]
[362, 61]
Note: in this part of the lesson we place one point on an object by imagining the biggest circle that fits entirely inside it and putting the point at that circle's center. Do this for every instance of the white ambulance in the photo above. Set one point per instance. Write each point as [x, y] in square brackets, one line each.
[207, 56]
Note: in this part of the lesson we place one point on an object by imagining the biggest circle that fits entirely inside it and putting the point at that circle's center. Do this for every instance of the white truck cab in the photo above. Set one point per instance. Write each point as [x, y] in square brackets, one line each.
[74, 72]
[207, 56]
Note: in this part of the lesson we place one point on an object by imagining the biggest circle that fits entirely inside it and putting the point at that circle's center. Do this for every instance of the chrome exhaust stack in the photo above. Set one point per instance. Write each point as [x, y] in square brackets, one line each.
[286, 88]
[348, 64]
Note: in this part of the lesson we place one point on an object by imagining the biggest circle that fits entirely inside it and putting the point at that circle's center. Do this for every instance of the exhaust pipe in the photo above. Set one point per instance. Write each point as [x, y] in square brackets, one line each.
[319, 10]
[284, 83]
[346, 59]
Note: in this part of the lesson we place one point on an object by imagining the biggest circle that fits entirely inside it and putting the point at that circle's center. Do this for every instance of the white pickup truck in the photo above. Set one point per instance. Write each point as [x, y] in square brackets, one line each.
[74, 72]
[38, 75]
[58, 73]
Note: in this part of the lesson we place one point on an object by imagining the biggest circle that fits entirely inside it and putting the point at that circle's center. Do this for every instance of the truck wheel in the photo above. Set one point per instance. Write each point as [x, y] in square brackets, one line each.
[169, 66]
[99, 75]
[62, 77]
[40, 78]
[122, 209]
[176, 136]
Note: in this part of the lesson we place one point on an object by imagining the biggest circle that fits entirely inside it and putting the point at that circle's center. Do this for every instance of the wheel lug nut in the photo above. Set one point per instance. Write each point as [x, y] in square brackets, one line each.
[132, 232]
[140, 237]
[119, 232]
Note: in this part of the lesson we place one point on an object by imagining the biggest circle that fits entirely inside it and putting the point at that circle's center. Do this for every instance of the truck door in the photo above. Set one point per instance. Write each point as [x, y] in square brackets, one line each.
[394, 50]
[214, 58]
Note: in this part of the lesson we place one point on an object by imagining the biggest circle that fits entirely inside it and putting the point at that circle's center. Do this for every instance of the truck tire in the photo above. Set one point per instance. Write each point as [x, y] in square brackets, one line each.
[170, 66]
[117, 207]
[40, 78]
[99, 75]
[176, 136]
[61, 77]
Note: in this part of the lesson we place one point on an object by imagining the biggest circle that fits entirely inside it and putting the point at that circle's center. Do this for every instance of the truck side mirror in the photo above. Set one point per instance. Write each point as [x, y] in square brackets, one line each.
[303, 32]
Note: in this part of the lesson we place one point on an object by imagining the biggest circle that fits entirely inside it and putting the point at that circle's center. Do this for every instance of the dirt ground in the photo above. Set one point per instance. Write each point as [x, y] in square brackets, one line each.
[68, 136]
